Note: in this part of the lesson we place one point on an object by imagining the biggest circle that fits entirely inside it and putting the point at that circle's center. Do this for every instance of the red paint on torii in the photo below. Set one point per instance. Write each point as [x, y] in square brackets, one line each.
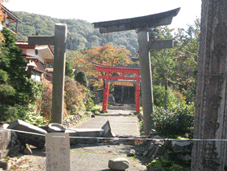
[122, 71]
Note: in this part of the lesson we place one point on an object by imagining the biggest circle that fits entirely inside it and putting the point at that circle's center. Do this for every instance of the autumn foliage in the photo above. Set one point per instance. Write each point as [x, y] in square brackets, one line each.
[105, 55]
[44, 104]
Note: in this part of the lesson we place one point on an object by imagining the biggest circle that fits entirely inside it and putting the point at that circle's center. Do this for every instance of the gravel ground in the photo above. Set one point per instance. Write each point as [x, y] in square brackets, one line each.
[95, 157]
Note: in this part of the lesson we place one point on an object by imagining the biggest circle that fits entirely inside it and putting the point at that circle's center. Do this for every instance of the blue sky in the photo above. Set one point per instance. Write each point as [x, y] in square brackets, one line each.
[103, 10]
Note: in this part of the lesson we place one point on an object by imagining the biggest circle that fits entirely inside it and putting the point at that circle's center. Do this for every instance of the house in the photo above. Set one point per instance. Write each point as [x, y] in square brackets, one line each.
[9, 18]
[38, 56]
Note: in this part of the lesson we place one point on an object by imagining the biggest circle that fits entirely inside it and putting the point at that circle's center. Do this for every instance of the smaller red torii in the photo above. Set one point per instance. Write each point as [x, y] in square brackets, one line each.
[122, 70]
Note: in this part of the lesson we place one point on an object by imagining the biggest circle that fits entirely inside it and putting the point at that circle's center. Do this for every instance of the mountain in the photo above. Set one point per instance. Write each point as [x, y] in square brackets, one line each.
[80, 35]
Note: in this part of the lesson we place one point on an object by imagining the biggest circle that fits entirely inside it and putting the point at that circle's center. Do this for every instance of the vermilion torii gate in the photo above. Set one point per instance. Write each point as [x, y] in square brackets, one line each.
[122, 71]
[142, 25]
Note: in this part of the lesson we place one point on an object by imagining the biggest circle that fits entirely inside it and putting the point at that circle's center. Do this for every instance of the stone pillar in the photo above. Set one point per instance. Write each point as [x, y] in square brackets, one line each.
[137, 97]
[146, 78]
[59, 73]
[105, 96]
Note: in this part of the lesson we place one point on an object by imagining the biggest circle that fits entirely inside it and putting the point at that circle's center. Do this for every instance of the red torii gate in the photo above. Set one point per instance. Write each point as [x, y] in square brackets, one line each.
[122, 70]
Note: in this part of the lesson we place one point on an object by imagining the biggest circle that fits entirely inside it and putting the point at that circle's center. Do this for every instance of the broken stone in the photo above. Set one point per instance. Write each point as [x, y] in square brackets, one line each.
[152, 133]
[13, 136]
[14, 150]
[37, 140]
[145, 153]
[152, 146]
[107, 130]
[88, 132]
[132, 152]
[181, 146]
[118, 164]
[55, 127]
[158, 142]
[160, 151]
[168, 144]
[71, 132]
[4, 126]
[27, 150]
[186, 158]
[5, 165]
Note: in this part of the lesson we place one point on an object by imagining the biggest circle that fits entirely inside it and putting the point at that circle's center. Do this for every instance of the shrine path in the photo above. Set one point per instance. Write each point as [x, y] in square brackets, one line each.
[122, 122]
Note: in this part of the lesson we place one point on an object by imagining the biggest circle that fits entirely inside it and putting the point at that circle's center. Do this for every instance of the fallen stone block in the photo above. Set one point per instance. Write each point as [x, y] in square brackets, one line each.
[118, 164]
[107, 130]
[55, 127]
[132, 152]
[181, 146]
[26, 137]
[27, 150]
[88, 132]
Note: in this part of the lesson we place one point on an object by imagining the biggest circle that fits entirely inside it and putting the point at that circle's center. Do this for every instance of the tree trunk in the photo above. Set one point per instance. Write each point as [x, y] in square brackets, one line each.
[166, 93]
[211, 93]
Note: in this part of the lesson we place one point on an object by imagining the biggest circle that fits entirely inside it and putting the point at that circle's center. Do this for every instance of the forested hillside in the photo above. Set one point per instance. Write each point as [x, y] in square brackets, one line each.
[81, 34]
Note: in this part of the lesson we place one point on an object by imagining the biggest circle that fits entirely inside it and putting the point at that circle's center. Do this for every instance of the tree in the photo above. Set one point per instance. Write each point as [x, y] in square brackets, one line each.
[163, 59]
[81, 78]
[105, 55]
[16, 89]
[211, 115]
[187, 54]
[68, 70]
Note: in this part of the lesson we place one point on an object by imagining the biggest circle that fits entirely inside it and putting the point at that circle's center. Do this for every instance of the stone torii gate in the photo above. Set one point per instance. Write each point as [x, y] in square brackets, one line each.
[59, 42]
[142, 25]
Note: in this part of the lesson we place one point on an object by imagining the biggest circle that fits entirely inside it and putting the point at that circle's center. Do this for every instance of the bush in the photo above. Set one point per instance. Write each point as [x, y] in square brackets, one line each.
[11, 113]
[171, 123]
[173, 99]
[45, 102]
[3, 76]
[81, 78]
[73, 96]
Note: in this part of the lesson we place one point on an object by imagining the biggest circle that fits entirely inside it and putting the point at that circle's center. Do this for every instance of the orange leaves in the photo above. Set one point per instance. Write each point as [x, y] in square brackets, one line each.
[105, 55]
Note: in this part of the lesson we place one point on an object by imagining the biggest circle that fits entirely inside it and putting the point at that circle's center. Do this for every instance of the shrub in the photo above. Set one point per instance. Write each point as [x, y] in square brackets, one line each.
[174, 98]
[3, 76]
[81, 78]
[12, 113]
[68, 70]
[73, 96]
[171, 123]
[45, 102]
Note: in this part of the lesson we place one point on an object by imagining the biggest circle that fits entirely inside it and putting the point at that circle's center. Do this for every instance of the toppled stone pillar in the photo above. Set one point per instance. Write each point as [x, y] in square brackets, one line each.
[37, 140]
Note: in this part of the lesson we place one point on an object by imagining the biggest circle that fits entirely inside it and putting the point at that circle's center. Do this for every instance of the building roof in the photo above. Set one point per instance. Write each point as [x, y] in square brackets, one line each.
[45, 50]
[10, 15]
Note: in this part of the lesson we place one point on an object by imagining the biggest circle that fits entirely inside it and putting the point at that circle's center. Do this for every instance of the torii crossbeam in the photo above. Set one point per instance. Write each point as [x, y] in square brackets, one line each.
[142, 25]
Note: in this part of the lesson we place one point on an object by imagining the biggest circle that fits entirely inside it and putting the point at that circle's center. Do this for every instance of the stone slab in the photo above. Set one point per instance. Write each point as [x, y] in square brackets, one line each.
[36, 140]
[5, 138]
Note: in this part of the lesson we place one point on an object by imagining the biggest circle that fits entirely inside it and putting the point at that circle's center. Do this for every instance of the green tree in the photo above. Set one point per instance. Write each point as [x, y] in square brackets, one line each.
[68, 70]
[16, 89]
[81, 78]
[187, 48]
[163, 59]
